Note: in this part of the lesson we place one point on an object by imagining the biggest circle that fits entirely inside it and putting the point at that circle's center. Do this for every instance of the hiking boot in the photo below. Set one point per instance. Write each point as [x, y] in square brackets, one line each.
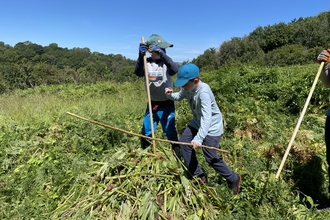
[203, 178]
[144, 143]
[324, 206]
[235, 186]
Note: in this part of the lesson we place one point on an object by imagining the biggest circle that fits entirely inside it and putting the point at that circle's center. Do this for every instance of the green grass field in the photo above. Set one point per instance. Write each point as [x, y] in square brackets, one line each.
[55, 166]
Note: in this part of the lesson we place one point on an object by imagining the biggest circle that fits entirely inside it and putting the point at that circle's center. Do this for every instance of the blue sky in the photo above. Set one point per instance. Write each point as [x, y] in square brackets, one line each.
[116, 27]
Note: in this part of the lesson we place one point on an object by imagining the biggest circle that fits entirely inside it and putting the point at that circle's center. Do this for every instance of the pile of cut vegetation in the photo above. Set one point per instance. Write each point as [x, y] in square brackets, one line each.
[139, 184]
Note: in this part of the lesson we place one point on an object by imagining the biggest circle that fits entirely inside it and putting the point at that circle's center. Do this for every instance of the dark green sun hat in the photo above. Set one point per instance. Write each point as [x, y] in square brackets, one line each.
[156, 40]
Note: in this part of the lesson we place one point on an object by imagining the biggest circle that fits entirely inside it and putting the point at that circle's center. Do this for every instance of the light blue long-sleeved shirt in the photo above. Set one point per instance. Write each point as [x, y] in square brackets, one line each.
[207, 117]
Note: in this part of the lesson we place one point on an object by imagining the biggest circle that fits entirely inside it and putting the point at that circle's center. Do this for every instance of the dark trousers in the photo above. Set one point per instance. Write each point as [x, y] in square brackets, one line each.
[211, 156]
[327, 144]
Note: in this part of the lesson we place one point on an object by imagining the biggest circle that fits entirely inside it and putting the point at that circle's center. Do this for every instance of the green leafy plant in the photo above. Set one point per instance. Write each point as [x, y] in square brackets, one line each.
[55, 166]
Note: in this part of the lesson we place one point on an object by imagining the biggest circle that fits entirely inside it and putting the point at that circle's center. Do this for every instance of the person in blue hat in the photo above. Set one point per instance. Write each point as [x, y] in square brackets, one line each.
[160, 68]
[205, 128]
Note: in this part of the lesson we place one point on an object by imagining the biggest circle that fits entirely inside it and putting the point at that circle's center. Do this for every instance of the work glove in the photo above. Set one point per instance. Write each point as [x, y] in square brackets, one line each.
[143, 49]
[157, 49]
[324, 56]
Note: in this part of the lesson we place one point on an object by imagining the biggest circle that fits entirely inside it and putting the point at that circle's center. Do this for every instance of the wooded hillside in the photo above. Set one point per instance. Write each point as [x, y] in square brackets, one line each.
[28, 64]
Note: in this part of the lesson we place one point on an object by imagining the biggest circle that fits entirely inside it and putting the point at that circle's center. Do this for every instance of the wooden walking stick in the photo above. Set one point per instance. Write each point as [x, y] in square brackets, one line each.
[140, 135]
[300, 120]
[149, 99]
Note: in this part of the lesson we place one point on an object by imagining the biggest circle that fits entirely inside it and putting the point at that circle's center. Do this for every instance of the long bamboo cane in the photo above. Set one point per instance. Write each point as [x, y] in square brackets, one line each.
[300, 120]
[140, 135]
[149, 100]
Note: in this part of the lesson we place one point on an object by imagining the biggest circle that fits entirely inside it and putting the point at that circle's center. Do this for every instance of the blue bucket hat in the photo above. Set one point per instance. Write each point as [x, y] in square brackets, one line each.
[186, 72]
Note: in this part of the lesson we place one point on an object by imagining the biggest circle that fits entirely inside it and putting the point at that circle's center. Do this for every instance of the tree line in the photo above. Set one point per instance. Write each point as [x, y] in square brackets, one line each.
[27, 64]
[295, 43]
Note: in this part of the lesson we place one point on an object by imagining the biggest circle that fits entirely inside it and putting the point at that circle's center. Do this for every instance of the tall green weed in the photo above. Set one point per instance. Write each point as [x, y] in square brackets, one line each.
[57, 166]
